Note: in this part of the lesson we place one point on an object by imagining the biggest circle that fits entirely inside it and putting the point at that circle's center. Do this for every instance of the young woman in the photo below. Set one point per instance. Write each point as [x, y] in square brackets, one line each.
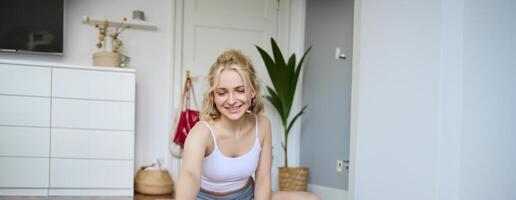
[222, 153]
[233, 141]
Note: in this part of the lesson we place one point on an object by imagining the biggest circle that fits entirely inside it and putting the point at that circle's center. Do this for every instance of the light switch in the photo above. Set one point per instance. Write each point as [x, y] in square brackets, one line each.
[339, 54]
[340, 165]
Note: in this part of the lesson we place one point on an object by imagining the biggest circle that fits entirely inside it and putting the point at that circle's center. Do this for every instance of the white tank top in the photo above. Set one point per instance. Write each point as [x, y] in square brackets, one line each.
[224, 174]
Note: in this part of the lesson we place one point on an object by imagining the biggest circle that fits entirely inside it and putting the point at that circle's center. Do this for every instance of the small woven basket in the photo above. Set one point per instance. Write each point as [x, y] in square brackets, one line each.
[107, 59]
[293, 178]
[153, 182]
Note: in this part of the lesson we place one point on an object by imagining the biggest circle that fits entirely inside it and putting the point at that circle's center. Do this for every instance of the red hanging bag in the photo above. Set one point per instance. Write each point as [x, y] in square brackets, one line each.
[188, 116]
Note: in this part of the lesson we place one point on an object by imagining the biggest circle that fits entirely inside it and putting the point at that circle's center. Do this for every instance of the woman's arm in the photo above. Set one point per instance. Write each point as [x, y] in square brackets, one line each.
[188, 184]
[263, 187]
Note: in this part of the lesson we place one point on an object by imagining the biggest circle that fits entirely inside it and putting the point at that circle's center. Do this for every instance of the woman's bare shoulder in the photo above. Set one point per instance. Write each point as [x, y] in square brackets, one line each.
[199, 132]
[264, 125]
[263, 120]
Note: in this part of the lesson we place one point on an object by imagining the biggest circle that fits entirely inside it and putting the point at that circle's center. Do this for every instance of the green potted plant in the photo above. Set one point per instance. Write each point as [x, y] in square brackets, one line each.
[284, 76]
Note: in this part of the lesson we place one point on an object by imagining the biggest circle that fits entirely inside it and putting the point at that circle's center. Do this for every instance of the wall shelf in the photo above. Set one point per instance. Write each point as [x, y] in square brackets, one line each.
[130, 24]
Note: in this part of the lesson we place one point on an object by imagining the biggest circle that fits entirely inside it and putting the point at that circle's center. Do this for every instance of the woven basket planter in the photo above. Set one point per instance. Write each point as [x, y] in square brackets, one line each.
[293, 178]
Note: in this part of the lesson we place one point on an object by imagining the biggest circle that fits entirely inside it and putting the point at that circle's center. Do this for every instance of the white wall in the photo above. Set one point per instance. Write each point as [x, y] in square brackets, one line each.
[150, 53]
[451, 100]
[433, 106]
[488, 164]
[396, 103]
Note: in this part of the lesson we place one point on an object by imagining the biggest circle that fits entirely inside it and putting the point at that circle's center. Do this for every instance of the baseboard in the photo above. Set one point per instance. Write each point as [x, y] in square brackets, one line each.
[90, 192]
[23, 192]
[328, 193]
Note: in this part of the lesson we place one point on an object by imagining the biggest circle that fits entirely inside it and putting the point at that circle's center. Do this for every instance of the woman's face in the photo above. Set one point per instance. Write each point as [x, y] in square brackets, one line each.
[230, 96]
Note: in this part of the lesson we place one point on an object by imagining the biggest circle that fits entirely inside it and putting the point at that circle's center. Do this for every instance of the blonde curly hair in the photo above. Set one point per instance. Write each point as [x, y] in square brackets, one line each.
[237, 61]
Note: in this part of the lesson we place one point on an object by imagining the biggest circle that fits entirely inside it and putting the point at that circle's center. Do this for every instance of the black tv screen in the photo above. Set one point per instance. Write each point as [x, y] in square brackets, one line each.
[31, 26]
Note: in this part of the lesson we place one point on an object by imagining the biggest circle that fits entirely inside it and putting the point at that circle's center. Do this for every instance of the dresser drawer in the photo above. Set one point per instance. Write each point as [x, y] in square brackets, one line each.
[24, 111]
[86, 114]
[24, 80]
[24, 141]
[87, 84]
[76, 173]
[75, 143]
[24, 172]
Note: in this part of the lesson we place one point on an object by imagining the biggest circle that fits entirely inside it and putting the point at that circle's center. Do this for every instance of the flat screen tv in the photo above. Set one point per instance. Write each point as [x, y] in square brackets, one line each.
[31, 26]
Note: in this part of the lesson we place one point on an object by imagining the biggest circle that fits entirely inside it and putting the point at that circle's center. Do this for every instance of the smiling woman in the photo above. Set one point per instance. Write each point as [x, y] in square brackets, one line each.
[233, 141]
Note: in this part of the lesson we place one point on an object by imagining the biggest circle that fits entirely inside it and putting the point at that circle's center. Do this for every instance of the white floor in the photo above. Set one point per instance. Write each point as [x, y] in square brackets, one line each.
[327, 193]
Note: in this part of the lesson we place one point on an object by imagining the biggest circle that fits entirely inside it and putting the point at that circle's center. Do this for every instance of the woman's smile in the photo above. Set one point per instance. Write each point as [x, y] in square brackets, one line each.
[233, 109]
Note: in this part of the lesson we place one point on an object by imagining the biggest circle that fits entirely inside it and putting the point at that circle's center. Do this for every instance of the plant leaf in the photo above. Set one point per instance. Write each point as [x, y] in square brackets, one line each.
[272, 69]
[278, 57]
[291, 85]
[300, 65]
[276, 102]
[282, 86]
[295, 118]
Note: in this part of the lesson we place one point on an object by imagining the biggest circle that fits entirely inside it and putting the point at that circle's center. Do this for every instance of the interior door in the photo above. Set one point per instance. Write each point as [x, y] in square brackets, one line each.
[211, 27]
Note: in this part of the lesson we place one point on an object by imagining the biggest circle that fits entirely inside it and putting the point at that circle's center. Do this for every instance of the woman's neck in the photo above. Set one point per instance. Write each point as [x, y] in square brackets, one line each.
[233, 126]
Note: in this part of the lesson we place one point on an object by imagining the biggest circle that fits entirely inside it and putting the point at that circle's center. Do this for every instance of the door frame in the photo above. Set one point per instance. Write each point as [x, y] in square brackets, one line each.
[355, 63]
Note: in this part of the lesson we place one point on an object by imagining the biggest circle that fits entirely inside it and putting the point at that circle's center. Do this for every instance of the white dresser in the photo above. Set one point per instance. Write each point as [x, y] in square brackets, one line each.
[66, 130]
